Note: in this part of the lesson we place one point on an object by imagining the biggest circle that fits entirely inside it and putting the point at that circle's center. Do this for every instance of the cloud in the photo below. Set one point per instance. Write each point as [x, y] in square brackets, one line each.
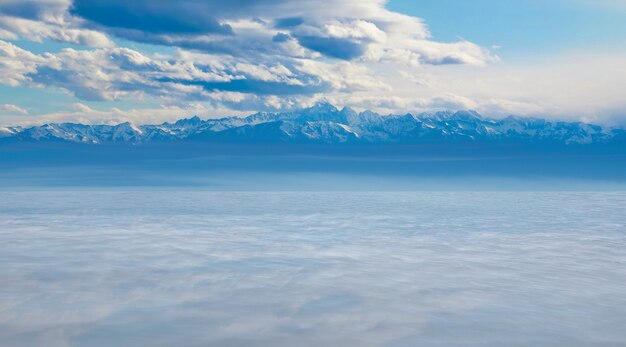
[156, 17]
[307, 269]
[45, 10]
[333, 47]
[246, 54]
[253, 55]
[344, 29]
[46, 20]
[107, 74]
[14, 109]
[16, 63]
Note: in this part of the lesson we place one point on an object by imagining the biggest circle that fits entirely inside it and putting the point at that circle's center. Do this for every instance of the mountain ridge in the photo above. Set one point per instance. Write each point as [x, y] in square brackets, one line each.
[324, 123]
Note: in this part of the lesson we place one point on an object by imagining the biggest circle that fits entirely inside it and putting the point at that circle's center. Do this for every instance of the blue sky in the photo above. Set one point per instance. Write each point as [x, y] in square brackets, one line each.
[524, 28]
[73, 60]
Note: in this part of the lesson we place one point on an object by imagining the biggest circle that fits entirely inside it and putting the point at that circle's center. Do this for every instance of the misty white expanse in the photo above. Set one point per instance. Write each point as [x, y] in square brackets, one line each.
[182, 268]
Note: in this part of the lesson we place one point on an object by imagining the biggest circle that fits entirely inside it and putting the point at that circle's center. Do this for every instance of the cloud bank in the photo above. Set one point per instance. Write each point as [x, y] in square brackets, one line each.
[311, 269]
[250, 55]
[239, 55]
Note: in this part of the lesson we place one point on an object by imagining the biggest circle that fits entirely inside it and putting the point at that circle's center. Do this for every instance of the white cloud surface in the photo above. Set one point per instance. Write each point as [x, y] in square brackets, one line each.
[311, 269]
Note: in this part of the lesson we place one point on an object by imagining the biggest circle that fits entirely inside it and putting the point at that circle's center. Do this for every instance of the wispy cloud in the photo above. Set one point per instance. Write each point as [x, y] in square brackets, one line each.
[14, 109]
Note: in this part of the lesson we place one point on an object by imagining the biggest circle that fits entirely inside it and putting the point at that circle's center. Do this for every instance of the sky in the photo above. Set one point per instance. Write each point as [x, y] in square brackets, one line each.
[110, 61]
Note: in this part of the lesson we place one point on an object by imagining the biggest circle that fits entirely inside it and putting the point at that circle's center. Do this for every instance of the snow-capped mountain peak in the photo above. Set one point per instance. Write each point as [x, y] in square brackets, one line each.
[324, 123]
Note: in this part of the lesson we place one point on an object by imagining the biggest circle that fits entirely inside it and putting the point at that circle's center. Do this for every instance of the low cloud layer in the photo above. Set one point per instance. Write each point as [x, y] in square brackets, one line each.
[311, 269]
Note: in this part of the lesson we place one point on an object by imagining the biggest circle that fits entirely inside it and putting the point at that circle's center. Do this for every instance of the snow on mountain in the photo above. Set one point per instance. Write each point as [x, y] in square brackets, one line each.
[324, 123]
[6, 132]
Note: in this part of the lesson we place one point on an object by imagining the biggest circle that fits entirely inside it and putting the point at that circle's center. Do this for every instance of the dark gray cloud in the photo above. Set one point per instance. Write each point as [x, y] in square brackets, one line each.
[43, 10]
[265, 269]
[170, 16]
[290, 22]
[111, 74]
[25, 9]
[157, 17]
[334, 47]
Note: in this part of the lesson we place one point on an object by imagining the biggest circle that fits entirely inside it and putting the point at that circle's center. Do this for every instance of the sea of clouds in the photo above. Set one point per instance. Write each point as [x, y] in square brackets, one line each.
[124, 268]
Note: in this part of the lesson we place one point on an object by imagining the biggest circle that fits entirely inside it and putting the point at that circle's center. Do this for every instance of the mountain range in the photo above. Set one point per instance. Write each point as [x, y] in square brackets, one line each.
[324, 123]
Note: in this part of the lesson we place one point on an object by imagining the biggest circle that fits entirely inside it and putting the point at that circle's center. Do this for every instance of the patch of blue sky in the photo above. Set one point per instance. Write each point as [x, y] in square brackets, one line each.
[523, 28]
[51, 100]
[36, 100]
[145, 48]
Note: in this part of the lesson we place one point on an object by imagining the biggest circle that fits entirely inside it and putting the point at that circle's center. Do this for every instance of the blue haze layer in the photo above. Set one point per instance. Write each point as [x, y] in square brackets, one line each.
[320, 148]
